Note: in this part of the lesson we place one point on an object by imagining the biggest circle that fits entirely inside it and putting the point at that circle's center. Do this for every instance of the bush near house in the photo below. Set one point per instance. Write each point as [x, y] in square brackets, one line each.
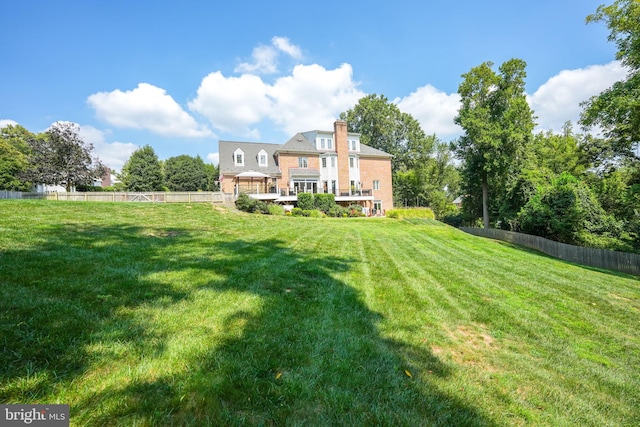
[424, 213]
[324, 202]
[305, 201]
[320, 206]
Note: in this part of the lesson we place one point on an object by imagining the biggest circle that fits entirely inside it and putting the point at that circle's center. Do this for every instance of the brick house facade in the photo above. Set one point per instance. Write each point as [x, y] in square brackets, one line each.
[315, 161]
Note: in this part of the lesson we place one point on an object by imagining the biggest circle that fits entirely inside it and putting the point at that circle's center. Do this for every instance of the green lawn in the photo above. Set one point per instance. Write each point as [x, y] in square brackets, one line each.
[150, 314]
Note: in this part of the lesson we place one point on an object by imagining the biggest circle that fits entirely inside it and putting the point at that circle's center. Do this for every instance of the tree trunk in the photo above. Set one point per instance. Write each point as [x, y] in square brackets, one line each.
[485, 201]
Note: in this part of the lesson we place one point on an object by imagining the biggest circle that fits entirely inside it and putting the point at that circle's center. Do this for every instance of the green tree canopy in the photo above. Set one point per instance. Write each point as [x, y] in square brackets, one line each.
[434, 183]
[617, 109]
[498, 124]
[61, 157]
[143, 171]
[382, 125]
[14, 151]
[567, 211]
[185, 173]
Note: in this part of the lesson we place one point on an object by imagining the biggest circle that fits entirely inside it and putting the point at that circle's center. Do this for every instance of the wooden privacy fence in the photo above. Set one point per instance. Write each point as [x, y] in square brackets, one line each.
[20, 195]
[611, 260]
[158, 197]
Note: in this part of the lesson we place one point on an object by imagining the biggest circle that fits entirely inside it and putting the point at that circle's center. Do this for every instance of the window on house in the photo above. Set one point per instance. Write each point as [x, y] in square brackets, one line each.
[322, 143]
[238, 157]
[303, 162]
[329, 145]
[353, 145]
[333, 162]
[263, 160]
[352, 162]
[324, 162]
[376, 184]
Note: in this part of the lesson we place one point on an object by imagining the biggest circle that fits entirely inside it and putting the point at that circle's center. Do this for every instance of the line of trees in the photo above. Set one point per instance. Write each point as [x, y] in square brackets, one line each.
[570, 187]
[145, 172]
[59, 156]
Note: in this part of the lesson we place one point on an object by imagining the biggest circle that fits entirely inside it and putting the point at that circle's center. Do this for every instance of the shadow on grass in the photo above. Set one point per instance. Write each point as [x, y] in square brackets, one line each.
[311, 354]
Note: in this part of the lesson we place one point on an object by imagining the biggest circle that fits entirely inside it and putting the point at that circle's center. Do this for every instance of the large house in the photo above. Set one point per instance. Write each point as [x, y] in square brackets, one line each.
[312, 162]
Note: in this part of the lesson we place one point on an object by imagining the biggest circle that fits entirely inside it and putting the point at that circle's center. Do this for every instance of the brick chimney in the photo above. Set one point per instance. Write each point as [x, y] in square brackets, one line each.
[340, 135]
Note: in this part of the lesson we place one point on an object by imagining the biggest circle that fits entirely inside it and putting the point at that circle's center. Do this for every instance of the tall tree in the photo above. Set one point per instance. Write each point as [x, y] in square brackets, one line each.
[143, 171]
[62, 157]
[497, 123]
[617, 109]
[382, 125]
[434, 183]
[185, 173]
[14, 151]
[213, 175]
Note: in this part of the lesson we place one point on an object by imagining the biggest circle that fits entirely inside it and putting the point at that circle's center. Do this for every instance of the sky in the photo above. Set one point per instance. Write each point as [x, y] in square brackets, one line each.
[181, 76]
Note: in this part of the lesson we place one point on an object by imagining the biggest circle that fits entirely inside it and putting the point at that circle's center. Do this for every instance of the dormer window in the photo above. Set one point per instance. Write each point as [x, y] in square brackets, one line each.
[262, 159]
[238, 157]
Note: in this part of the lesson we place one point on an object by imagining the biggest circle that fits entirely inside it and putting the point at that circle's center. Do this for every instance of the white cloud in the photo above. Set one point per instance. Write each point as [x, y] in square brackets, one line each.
[232, 104]
[6, 122]
[214, 158]
[114, 154]
[310, 98]
[558, 100]
[283, 44]
[433, 109]
[265, 58]
[146, 107]
[264, 61]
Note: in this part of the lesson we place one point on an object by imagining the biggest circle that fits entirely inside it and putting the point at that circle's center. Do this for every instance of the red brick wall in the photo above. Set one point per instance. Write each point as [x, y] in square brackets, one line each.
[375, 168]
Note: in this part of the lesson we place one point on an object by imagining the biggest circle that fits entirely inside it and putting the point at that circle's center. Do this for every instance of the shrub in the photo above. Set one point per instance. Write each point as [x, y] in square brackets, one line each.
[423, 213]
[324, 202]
[337, 211]
[275, 209]
[261, 207]
[305, 201]
[297, 212]
[246, 203]
[354, 211]
[314, 213]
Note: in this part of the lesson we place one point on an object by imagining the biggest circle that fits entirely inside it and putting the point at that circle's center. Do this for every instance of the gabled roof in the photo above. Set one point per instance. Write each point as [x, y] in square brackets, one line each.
[298, 144]
[367, 151]
[250, 150]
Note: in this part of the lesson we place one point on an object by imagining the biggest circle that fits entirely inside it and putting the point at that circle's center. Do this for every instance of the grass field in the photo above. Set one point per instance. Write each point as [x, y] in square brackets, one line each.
[148, 314]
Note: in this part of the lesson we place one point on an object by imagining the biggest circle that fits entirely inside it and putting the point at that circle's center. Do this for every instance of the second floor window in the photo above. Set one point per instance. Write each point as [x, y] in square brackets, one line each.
[324, 162]
[322, 143]
[303, 162]
[376, 184]
[263, 160]
[329, 146]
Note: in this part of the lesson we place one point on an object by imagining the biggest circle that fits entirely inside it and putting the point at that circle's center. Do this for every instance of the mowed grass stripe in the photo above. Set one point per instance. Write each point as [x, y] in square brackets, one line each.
[154, 314]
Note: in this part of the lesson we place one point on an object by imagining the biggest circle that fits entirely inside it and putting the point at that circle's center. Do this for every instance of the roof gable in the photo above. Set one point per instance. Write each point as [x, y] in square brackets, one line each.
[298, 144]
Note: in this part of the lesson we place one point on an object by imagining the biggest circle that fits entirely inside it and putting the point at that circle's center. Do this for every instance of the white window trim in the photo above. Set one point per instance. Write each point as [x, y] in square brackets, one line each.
[266, 159]
[235, 157]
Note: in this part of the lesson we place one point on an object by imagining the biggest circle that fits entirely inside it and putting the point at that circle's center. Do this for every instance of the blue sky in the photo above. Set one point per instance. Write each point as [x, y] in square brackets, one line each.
[180, 76]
